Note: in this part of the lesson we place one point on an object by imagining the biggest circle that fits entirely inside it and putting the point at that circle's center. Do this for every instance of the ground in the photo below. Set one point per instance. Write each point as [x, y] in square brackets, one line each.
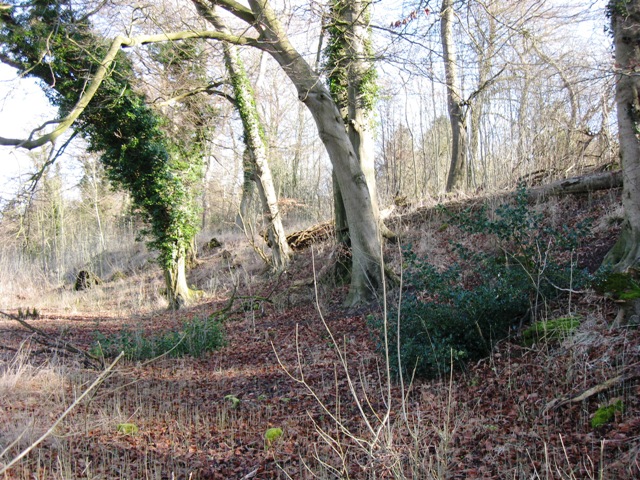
[313, 369]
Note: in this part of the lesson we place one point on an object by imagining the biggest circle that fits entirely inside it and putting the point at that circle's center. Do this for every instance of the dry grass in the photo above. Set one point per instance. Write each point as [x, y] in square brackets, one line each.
[489, 421]
[30, 393]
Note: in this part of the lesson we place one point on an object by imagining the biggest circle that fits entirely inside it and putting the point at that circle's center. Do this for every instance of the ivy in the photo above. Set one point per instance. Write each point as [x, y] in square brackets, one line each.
[50, 41]
[617, 8]
[244, 96]
[338, 62]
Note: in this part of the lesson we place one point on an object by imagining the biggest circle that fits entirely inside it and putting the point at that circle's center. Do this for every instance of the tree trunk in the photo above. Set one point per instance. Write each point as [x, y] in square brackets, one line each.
[352, 79]
[625, 25]
[254, 139]
[248, 183]
[485, 53]
[178, 292]
[342, 268]
[362, 215]
[457, 178]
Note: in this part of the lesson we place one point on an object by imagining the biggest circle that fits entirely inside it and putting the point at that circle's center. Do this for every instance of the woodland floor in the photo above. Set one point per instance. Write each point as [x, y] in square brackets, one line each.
[497, 419]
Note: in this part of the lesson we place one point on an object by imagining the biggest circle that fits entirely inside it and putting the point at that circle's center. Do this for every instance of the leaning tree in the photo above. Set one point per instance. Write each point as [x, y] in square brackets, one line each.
[53, 42]
[262, 29]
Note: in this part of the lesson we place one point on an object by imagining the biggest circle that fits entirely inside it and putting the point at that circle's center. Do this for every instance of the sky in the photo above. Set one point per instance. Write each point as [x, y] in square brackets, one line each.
[23, 107]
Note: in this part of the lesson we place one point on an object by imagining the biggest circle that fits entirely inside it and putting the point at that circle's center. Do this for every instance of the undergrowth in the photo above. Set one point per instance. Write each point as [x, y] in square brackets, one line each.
[195, 338]
[458, 313]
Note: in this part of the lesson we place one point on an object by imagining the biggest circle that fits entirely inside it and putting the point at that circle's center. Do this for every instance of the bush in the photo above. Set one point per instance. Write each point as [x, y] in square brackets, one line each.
[457, 314]
[196, 337]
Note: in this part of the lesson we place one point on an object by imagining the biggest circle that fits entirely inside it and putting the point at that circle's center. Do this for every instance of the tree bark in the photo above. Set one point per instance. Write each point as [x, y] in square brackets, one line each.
[248, 183]
[364, 230]
[458, 175]
[254, 140]
[175, 276]
[625, 25]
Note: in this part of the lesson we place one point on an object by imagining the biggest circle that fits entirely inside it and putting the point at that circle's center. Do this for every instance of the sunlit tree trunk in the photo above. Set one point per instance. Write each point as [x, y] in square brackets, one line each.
[457, 178]
[256, 147]
[624, 257]
[178, 292]
[361, 208]
[352, 82]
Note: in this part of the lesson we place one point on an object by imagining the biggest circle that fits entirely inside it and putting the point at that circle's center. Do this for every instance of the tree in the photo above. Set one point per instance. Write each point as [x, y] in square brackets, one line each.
[352, 82]
[129, 135]
[261, 19]
[352, 76]
[457, 177]
[256, 165]
[362, 218]
[625, 27]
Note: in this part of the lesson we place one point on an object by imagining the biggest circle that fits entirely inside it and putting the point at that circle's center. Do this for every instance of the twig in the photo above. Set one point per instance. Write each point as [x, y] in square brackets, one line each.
[54, 342]
[251, 474]
[96, 382]
[606, 385]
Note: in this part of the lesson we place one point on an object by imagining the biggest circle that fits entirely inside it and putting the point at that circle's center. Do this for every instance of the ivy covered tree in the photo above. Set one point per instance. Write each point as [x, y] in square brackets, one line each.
[351, 77]
[255, 164]
[53, 41]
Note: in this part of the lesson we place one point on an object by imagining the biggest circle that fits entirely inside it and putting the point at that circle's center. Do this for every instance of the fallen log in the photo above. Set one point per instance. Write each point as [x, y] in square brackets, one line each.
[591, 182]
[582, 184]
[588, 183]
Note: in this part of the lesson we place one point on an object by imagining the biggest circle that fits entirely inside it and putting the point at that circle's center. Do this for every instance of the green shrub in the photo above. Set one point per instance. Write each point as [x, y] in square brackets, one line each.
[458, 313]
[196, 337]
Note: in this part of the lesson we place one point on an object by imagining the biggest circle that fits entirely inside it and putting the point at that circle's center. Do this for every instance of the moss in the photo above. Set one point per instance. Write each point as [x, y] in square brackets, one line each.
[127, 428]
[548, 330]
[271, 436]
[235, 401]
[619, 285]
[605, 415]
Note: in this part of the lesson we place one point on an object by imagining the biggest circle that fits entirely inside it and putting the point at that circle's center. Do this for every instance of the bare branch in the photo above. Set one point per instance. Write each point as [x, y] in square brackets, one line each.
[211, 89]
[102, 71]
[79, 107]
[235, 8]
[77, 401]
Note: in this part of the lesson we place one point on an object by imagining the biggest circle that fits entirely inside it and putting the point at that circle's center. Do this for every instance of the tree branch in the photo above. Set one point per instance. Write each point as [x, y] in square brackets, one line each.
[119, 42]
[79, 107]
[52, 341]
[240, 11]
[211, 89]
